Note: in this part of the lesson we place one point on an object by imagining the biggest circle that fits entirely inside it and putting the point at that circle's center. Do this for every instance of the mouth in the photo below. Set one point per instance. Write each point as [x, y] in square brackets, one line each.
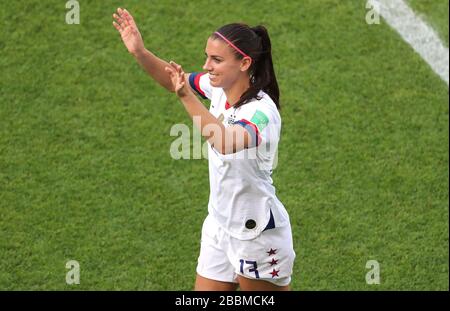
[212, 76]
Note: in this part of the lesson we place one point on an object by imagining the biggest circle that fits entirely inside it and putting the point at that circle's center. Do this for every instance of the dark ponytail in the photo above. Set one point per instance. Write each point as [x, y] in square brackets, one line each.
[255, 42]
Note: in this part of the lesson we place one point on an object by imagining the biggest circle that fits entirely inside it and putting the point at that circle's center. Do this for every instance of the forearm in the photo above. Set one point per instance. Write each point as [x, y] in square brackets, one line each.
[154, 66]
[210, 127]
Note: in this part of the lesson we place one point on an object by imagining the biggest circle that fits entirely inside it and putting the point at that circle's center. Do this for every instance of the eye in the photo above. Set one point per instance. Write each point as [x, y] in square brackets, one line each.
[215, 59]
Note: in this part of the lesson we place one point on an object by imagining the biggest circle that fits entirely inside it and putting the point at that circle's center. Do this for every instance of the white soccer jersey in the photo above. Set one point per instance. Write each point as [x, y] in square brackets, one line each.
[242, 196]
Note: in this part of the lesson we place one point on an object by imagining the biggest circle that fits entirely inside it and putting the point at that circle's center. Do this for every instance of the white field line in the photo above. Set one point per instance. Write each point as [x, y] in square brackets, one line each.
[416, 32]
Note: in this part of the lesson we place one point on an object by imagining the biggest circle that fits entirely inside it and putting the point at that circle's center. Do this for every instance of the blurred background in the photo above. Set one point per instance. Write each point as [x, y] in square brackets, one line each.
[86, 173]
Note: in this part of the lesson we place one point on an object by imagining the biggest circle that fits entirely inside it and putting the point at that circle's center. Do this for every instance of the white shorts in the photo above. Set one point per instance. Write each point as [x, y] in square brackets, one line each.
[269, 257]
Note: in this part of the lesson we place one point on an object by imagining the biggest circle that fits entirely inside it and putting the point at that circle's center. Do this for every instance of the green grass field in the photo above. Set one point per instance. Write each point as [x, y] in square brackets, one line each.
[434, 12]
[86, 173]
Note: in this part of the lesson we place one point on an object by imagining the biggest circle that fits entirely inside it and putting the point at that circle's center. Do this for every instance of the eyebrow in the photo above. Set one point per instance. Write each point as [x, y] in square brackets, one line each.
[216, 56]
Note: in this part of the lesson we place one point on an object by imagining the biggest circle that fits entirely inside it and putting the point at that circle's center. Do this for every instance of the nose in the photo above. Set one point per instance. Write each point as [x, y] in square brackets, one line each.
[207, 65]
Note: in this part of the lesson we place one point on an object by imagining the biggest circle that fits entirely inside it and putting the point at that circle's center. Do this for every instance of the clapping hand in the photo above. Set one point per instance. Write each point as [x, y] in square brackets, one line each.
[178, 79]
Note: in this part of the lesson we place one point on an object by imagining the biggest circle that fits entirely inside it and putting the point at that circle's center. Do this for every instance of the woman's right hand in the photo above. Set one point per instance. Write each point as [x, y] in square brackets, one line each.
[129, 31]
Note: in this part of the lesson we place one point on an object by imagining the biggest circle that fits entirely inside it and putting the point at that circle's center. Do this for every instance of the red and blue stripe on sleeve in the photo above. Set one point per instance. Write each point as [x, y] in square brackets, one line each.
[252, 130]
[194, 81]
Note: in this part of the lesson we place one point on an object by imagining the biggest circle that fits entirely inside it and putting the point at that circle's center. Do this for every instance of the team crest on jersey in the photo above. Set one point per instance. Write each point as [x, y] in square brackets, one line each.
[231, 119]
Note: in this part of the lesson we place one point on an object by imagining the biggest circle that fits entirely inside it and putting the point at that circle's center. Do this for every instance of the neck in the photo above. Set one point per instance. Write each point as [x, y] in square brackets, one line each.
[238, 88]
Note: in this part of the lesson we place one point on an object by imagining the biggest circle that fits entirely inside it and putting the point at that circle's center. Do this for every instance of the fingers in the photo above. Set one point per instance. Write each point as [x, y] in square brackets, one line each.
[126, 16]
[118, 27]
[177, 68]
[169, 70]
[129, 18]
[172, 73]
[120, 20]
[175, 65]
[176, 74]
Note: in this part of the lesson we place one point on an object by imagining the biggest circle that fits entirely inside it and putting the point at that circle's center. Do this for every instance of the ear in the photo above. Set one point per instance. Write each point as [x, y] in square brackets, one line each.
[246, 62]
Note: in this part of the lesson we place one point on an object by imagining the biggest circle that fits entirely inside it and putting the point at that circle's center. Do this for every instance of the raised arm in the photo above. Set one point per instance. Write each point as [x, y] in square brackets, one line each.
[131, 37]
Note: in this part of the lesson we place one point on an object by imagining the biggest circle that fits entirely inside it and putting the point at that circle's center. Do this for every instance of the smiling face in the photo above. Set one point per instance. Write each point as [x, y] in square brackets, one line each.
[222, 65]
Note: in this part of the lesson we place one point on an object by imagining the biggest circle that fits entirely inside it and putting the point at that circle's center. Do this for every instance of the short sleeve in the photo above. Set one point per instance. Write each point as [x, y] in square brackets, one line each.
[262, 123]
[199, 81]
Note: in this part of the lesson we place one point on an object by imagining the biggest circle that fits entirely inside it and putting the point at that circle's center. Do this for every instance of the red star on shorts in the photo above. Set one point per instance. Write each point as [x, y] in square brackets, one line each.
[274, 261]
[272, 252]
[274, 273]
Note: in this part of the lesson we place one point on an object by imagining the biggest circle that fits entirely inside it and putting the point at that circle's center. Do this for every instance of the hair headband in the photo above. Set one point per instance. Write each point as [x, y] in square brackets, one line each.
[230, 43]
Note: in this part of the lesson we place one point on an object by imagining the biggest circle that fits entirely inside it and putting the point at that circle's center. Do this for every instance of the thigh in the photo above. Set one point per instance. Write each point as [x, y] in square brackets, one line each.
[205, 284]
[247, 284]
[214, 270]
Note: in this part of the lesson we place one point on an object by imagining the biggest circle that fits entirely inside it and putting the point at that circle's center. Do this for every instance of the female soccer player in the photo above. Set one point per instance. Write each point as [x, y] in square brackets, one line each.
[246, 237]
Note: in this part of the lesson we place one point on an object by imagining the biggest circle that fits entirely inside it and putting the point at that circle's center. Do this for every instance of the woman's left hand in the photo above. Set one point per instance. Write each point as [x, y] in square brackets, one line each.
[178, 79]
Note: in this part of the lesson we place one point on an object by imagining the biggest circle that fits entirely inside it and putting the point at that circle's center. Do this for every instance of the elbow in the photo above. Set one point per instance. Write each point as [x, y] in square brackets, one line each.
[224, 144]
